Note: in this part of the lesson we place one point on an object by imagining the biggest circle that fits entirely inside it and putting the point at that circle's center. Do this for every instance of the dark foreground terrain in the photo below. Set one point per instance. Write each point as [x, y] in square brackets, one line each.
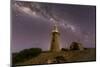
[88, 54]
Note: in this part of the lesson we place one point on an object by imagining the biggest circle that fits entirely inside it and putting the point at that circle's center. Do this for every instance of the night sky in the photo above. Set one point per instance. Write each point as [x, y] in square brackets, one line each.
[32, 23]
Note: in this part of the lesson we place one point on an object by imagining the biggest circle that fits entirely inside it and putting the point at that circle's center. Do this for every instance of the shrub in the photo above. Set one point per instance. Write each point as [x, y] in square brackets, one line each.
[26, 54]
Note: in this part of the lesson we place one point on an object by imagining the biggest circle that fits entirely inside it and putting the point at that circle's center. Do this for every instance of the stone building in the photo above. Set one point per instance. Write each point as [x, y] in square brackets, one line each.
[76, 46]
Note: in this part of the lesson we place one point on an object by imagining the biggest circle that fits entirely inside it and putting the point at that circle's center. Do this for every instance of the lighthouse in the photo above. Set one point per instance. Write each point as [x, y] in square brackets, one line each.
[55, 39]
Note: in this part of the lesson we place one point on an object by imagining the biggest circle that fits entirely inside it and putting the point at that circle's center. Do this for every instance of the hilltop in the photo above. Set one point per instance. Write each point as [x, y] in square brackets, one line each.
[46, 57]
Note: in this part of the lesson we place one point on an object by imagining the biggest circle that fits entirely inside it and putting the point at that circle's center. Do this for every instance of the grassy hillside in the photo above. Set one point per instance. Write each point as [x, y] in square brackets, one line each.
[66, 56]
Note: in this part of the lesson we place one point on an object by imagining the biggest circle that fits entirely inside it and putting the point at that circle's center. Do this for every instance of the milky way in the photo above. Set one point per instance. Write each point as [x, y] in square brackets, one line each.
[32, 23]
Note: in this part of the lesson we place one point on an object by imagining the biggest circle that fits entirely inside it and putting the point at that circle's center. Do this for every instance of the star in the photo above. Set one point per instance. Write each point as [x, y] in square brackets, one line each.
[16, 15]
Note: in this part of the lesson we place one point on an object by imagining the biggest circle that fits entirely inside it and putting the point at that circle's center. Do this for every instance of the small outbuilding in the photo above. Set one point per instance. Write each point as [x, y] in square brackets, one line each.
[76, 46]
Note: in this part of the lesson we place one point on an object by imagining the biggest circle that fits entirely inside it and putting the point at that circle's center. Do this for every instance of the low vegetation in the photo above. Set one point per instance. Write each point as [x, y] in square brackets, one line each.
[25, 54]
